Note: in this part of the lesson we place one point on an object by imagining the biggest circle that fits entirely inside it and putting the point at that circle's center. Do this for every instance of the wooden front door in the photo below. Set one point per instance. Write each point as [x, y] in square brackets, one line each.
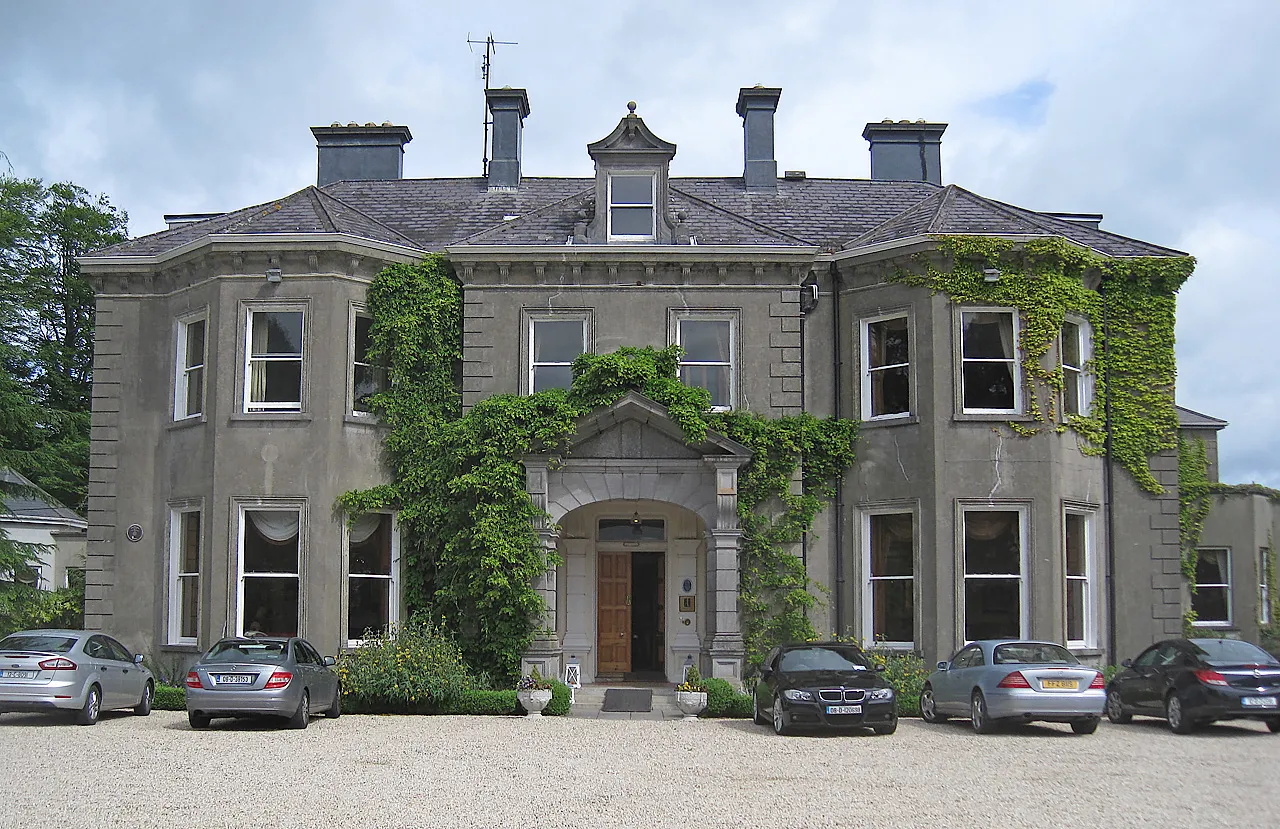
[613, 595]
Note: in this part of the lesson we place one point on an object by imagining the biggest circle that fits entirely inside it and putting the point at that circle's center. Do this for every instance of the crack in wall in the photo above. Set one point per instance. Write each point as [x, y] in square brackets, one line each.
[995, 462]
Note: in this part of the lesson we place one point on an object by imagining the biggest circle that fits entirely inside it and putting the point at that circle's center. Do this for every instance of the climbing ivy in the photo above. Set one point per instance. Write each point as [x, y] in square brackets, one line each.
[469, 544]
[1045, 280]
[1193, 508]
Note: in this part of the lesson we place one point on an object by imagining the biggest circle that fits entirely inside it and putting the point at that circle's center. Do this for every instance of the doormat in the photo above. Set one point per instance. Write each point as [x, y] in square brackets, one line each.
[627, 699]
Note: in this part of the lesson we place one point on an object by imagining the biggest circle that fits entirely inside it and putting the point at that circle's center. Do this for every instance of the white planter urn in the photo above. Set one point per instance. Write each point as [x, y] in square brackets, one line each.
[534, 701]
[691, 703]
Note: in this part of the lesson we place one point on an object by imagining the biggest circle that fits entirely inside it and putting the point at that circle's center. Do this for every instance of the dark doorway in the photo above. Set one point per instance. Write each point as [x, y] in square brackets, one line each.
[648, 629]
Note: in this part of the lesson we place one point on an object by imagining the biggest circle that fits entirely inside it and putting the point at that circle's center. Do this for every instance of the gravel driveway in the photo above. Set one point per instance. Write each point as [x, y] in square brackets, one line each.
[506, 772]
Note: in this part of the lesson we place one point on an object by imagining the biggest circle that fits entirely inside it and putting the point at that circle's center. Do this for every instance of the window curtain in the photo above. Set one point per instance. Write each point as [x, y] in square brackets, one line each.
[275, 526]
[1004, 323]
[987, 526]
[365, 526]
[257, 368]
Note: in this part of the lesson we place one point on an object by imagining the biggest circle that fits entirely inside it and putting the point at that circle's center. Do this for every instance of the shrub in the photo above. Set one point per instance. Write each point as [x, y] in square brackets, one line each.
[724, 701]
[476, 701]
[170, 698]
[416, 668]
[907, 673]
[559, 705]
[692, 681]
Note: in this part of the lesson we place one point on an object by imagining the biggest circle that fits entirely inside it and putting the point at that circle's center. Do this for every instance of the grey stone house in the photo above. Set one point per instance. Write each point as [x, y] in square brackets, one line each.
[230, 379]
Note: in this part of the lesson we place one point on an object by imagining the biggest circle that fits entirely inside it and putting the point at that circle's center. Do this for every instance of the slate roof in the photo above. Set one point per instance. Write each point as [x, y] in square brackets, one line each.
[20, 498]
[832, 214]
[1188, 419]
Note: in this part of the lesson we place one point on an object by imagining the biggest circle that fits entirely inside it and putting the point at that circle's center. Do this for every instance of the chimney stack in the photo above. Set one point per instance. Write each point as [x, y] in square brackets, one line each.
[757, 105]
[905, 150]
[359, 153]
[508, 108]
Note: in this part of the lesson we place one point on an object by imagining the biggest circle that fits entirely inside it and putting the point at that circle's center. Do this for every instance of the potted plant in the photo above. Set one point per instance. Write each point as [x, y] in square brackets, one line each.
[691, 695]
[533, 692]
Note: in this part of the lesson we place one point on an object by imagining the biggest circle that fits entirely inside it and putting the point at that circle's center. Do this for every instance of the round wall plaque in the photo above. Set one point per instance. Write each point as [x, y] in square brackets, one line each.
[687, 585]
[134, 532]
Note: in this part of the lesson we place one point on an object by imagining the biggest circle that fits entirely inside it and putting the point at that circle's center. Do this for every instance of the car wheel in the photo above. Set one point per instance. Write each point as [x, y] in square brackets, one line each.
[198, 721]
[929, 706]
[335, 710]
[756, 716]
[886, 730]
[978, 714]
[302, 716]
[1178, 719]
[88, 715]
[1273, 726]
[143, 708]
[779, 721]
[1115, 709]
[1085, 726]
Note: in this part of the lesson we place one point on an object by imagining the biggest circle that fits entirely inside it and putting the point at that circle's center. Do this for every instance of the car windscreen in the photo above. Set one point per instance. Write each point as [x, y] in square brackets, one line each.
[1032, 653]
[823, 659]
[38, 642]
[266, 652]
[1232, 652]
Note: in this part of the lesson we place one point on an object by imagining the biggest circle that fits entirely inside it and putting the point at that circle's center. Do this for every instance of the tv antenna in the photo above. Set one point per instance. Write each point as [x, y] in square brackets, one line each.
[486, 70]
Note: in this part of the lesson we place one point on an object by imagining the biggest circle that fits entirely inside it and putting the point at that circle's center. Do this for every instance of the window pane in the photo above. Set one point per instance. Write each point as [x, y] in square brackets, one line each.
[262, 554]
[552, 377]
[1075, 609]
[988, 385]
[632, 529]
[195, 391]
[1210, 604]
[1075, 543]
[893, 610]
[195, 344]
[1211, 567]
[988, 335]
[557, 341]
[271, 606]
[1070, 391]
[372, 555]
[887, 342]
[362, 338]
[891, 545]
[277, 381]
[190, 539]
[631, 190]
[369, 606]
[714, 379]
[277, 332]
[369, 380]
[991, 609]
[891, 391]
[705, 341]
[991, 544]
[1071, 344]
[189, 606]
[632, 221]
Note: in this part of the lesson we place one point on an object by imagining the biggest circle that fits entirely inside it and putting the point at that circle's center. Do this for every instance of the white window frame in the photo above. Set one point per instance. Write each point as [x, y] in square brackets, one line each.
[358, 312]
[177, 576]
[242, 518]
[730, 317]
[248, 406]
[1078, 374]
[653, 207]
[1024, 534]
[1264, 587]
[584, 319]
[870, 580]
[867, 370]
[1015, 362]
[1088, 580]
[393, 597]
[183, 372]
[1217, 623]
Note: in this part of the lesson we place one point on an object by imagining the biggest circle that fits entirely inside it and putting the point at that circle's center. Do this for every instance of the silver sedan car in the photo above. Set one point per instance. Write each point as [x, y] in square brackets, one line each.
[261, 675]
[72, 670]
[996, 681]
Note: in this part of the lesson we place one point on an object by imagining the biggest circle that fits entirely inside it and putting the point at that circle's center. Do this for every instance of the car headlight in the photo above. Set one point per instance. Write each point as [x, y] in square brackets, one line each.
[796, 695]
[880, 693]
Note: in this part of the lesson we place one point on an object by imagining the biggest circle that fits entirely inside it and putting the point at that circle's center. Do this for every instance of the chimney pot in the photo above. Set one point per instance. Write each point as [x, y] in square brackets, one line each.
[508, 108]
[756, 106]
[356, 153]
[905, 151]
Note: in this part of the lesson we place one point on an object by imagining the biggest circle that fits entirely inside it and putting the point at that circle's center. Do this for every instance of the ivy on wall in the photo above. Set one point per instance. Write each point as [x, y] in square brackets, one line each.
[470, 552]
[1045, 280]
[1193, 509]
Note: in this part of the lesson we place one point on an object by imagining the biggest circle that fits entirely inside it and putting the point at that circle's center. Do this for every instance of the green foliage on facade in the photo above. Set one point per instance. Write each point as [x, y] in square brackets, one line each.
[1193, 508]
[1132, 316]
[470, 547]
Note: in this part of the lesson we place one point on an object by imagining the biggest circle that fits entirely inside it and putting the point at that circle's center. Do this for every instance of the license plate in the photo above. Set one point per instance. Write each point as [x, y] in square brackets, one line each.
[1060, 684]
[1258, 702]
[844, 709]
[233, 679]
[12, 674]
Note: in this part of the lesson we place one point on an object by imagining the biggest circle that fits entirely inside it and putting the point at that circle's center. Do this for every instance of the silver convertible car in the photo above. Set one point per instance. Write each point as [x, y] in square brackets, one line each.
[1012, 681]
[78, 671]
[262, 676]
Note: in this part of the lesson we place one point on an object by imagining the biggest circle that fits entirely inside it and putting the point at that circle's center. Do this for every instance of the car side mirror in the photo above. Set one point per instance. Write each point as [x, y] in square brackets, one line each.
[137, 659]
[329, 660]
[943, 665]
[1126, 663]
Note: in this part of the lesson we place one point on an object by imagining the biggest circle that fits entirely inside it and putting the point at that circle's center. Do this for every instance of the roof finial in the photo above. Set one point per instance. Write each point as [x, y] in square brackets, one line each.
[631, 107]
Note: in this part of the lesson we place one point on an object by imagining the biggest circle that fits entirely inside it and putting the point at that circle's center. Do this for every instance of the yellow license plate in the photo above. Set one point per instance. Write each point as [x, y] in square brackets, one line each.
[1060, 684]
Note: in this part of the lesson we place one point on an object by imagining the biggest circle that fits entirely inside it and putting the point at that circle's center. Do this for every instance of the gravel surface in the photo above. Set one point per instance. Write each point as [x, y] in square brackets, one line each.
[363, 771]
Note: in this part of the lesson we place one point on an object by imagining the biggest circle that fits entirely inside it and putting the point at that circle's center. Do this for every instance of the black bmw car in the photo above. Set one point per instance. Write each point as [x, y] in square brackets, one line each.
[1193, 682]
[824, 685]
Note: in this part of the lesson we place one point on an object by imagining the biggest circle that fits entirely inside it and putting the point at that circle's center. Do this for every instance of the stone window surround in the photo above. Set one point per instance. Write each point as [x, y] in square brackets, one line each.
[180, 371]
[530, 315]
[1090, 579]
[911, 508]
[864, 348]
[1227, 585]
[240, 505]
[393, 600]
[1024, 510]
[734, 317]
[355, 310]
[173, 592]
[247, 308]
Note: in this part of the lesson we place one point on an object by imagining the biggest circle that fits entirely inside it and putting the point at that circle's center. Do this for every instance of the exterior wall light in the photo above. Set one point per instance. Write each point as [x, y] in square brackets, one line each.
[990, 274]
[273, 275]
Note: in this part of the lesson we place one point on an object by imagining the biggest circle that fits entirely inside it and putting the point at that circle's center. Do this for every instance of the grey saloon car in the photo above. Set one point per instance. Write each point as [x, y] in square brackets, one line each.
[997, 681]
[79, 671]
[262, 676]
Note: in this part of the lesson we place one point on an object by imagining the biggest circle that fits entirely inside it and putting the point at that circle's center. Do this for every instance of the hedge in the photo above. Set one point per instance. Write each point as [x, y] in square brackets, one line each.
[170, 698]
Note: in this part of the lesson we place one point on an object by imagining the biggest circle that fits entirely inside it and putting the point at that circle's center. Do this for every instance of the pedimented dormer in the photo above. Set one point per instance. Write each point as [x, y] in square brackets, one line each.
[631, 185]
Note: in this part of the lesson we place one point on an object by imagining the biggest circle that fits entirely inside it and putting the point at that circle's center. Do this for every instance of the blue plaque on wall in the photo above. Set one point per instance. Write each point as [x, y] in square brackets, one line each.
[687, 587]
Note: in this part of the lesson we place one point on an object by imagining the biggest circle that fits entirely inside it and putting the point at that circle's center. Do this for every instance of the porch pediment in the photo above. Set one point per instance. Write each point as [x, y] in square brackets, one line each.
[637, 428]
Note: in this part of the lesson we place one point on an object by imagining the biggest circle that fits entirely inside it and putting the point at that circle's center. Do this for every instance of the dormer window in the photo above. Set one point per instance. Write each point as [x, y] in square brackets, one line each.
[631, 207]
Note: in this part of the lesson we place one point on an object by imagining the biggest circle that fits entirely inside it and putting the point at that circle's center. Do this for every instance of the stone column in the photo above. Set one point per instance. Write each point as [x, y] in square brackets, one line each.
[544, 652]
[725, 649]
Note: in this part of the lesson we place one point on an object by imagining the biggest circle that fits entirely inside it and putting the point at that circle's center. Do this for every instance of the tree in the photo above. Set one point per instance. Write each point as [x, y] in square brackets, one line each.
[46, 329]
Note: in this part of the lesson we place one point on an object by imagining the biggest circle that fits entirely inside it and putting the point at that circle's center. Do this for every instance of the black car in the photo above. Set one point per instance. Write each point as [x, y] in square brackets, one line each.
[824, 685]
[1193, 682]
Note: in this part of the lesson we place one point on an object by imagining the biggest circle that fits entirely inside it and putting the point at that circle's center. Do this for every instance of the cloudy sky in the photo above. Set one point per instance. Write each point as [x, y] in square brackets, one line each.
[1162, 115]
